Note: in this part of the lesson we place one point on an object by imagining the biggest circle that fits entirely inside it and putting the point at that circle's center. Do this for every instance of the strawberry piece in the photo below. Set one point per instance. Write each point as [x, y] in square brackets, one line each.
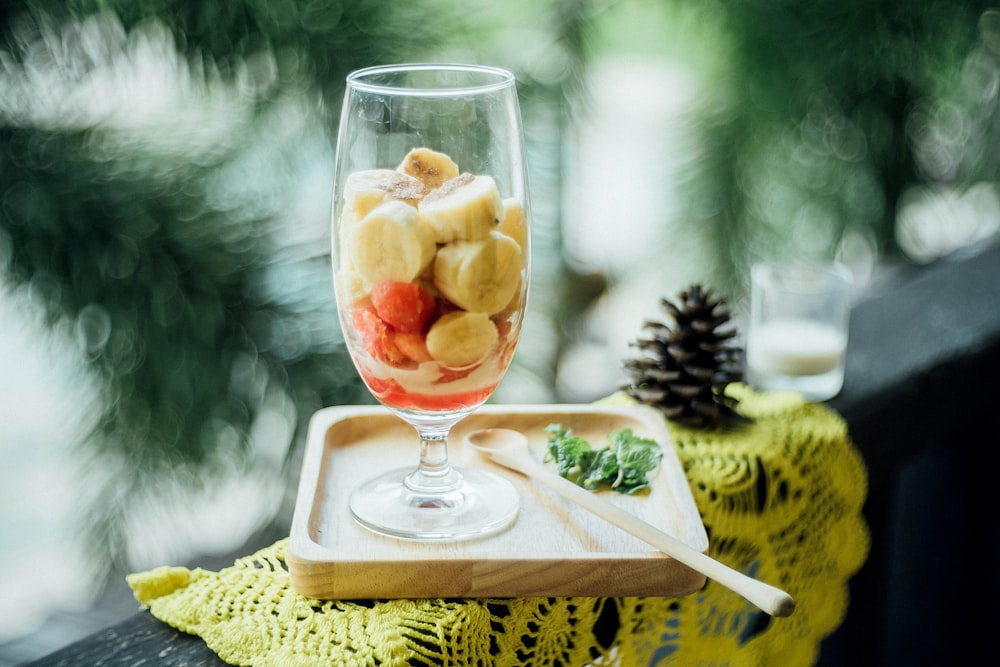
[404, 306]
[451, 374]
[396, 396]
[503, 328]
[413, 346]
[377, 337]
[386, 390]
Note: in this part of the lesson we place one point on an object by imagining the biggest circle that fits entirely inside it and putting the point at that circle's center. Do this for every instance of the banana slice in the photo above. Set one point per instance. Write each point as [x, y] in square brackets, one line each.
[349, 287]
[514, 222]
[364, 190]
[461, 339]
[479, 276]
[512, 306]
[413, 346]
[348, 223]
[430, 167]
[391, 243]
[465, 208]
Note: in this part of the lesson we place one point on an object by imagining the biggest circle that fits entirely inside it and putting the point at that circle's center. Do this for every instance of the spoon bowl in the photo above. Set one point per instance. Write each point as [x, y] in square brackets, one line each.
[509, 448]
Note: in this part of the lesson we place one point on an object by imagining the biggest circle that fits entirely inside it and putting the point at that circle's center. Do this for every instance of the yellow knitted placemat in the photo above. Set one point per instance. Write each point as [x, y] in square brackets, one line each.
[780, 497]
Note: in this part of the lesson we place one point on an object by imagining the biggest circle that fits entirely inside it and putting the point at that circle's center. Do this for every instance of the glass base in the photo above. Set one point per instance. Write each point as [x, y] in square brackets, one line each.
[477, 505]
[814, 388]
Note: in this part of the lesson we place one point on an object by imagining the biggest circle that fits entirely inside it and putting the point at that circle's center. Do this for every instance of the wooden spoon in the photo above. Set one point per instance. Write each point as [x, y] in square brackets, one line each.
[510, 449]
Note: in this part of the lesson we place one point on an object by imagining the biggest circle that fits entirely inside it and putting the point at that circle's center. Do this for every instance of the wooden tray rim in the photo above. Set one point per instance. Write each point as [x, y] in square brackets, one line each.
[305, 553]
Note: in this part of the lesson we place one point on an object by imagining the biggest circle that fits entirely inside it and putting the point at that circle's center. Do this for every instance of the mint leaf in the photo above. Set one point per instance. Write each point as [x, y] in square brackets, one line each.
[636, 457]
[571, 453]
[621, 465]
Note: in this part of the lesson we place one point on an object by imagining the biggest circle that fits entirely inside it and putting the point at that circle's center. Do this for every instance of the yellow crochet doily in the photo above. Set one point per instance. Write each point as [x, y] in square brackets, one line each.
[780, 498]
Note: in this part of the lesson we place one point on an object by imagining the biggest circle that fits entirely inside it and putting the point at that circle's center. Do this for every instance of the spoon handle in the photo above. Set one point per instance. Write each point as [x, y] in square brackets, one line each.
[774, 601]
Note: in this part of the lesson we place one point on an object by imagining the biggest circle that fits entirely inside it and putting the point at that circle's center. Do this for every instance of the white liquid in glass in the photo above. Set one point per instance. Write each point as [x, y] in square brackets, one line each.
[797, 355]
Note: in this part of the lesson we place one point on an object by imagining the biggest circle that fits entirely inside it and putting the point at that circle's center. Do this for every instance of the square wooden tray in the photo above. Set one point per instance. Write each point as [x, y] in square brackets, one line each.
[553, 549]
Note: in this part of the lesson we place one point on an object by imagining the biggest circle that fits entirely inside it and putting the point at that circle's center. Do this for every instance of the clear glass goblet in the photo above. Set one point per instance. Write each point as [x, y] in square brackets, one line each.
[431, 266]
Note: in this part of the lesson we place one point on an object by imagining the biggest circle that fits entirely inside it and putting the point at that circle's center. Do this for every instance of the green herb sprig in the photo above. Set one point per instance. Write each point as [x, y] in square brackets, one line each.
[621, 465]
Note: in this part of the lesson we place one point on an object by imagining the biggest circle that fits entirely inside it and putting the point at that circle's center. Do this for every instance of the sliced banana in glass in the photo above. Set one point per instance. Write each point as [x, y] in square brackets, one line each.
[430, 167]
[479, 276]
[364, 190]
[465, 208]
[514, 222]
[349, 287]
[461, 338]
[392, 242]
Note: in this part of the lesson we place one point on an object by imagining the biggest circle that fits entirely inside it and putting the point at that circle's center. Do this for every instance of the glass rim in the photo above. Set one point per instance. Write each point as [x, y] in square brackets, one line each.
[360, 79]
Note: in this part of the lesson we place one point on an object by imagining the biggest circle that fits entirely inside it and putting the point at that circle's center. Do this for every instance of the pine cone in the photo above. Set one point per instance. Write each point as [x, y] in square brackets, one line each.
[685, 368]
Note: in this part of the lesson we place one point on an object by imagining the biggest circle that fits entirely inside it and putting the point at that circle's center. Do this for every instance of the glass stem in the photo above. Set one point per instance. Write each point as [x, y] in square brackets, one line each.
[434, 475]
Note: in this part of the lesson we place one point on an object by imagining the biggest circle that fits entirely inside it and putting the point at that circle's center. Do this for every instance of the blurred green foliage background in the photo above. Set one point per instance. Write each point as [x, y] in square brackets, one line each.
[165, 170]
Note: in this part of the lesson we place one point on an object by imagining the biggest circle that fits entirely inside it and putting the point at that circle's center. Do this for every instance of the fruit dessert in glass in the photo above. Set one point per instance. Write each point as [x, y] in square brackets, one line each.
[431, 269]
[431, 277]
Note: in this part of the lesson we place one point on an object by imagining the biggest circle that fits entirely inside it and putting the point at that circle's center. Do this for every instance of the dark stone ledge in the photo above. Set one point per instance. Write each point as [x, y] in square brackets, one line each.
[138, 640]
[922, 407]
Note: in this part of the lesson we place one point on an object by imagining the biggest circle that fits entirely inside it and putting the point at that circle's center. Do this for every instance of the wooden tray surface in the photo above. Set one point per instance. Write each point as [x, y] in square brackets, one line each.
[553, 549]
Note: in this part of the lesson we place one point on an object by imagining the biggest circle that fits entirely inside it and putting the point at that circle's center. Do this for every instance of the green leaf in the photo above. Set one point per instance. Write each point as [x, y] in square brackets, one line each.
[571, 453]
[621, 465]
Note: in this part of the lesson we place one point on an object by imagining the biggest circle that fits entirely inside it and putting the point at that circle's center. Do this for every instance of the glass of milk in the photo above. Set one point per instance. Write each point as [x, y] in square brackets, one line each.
[797, 332]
